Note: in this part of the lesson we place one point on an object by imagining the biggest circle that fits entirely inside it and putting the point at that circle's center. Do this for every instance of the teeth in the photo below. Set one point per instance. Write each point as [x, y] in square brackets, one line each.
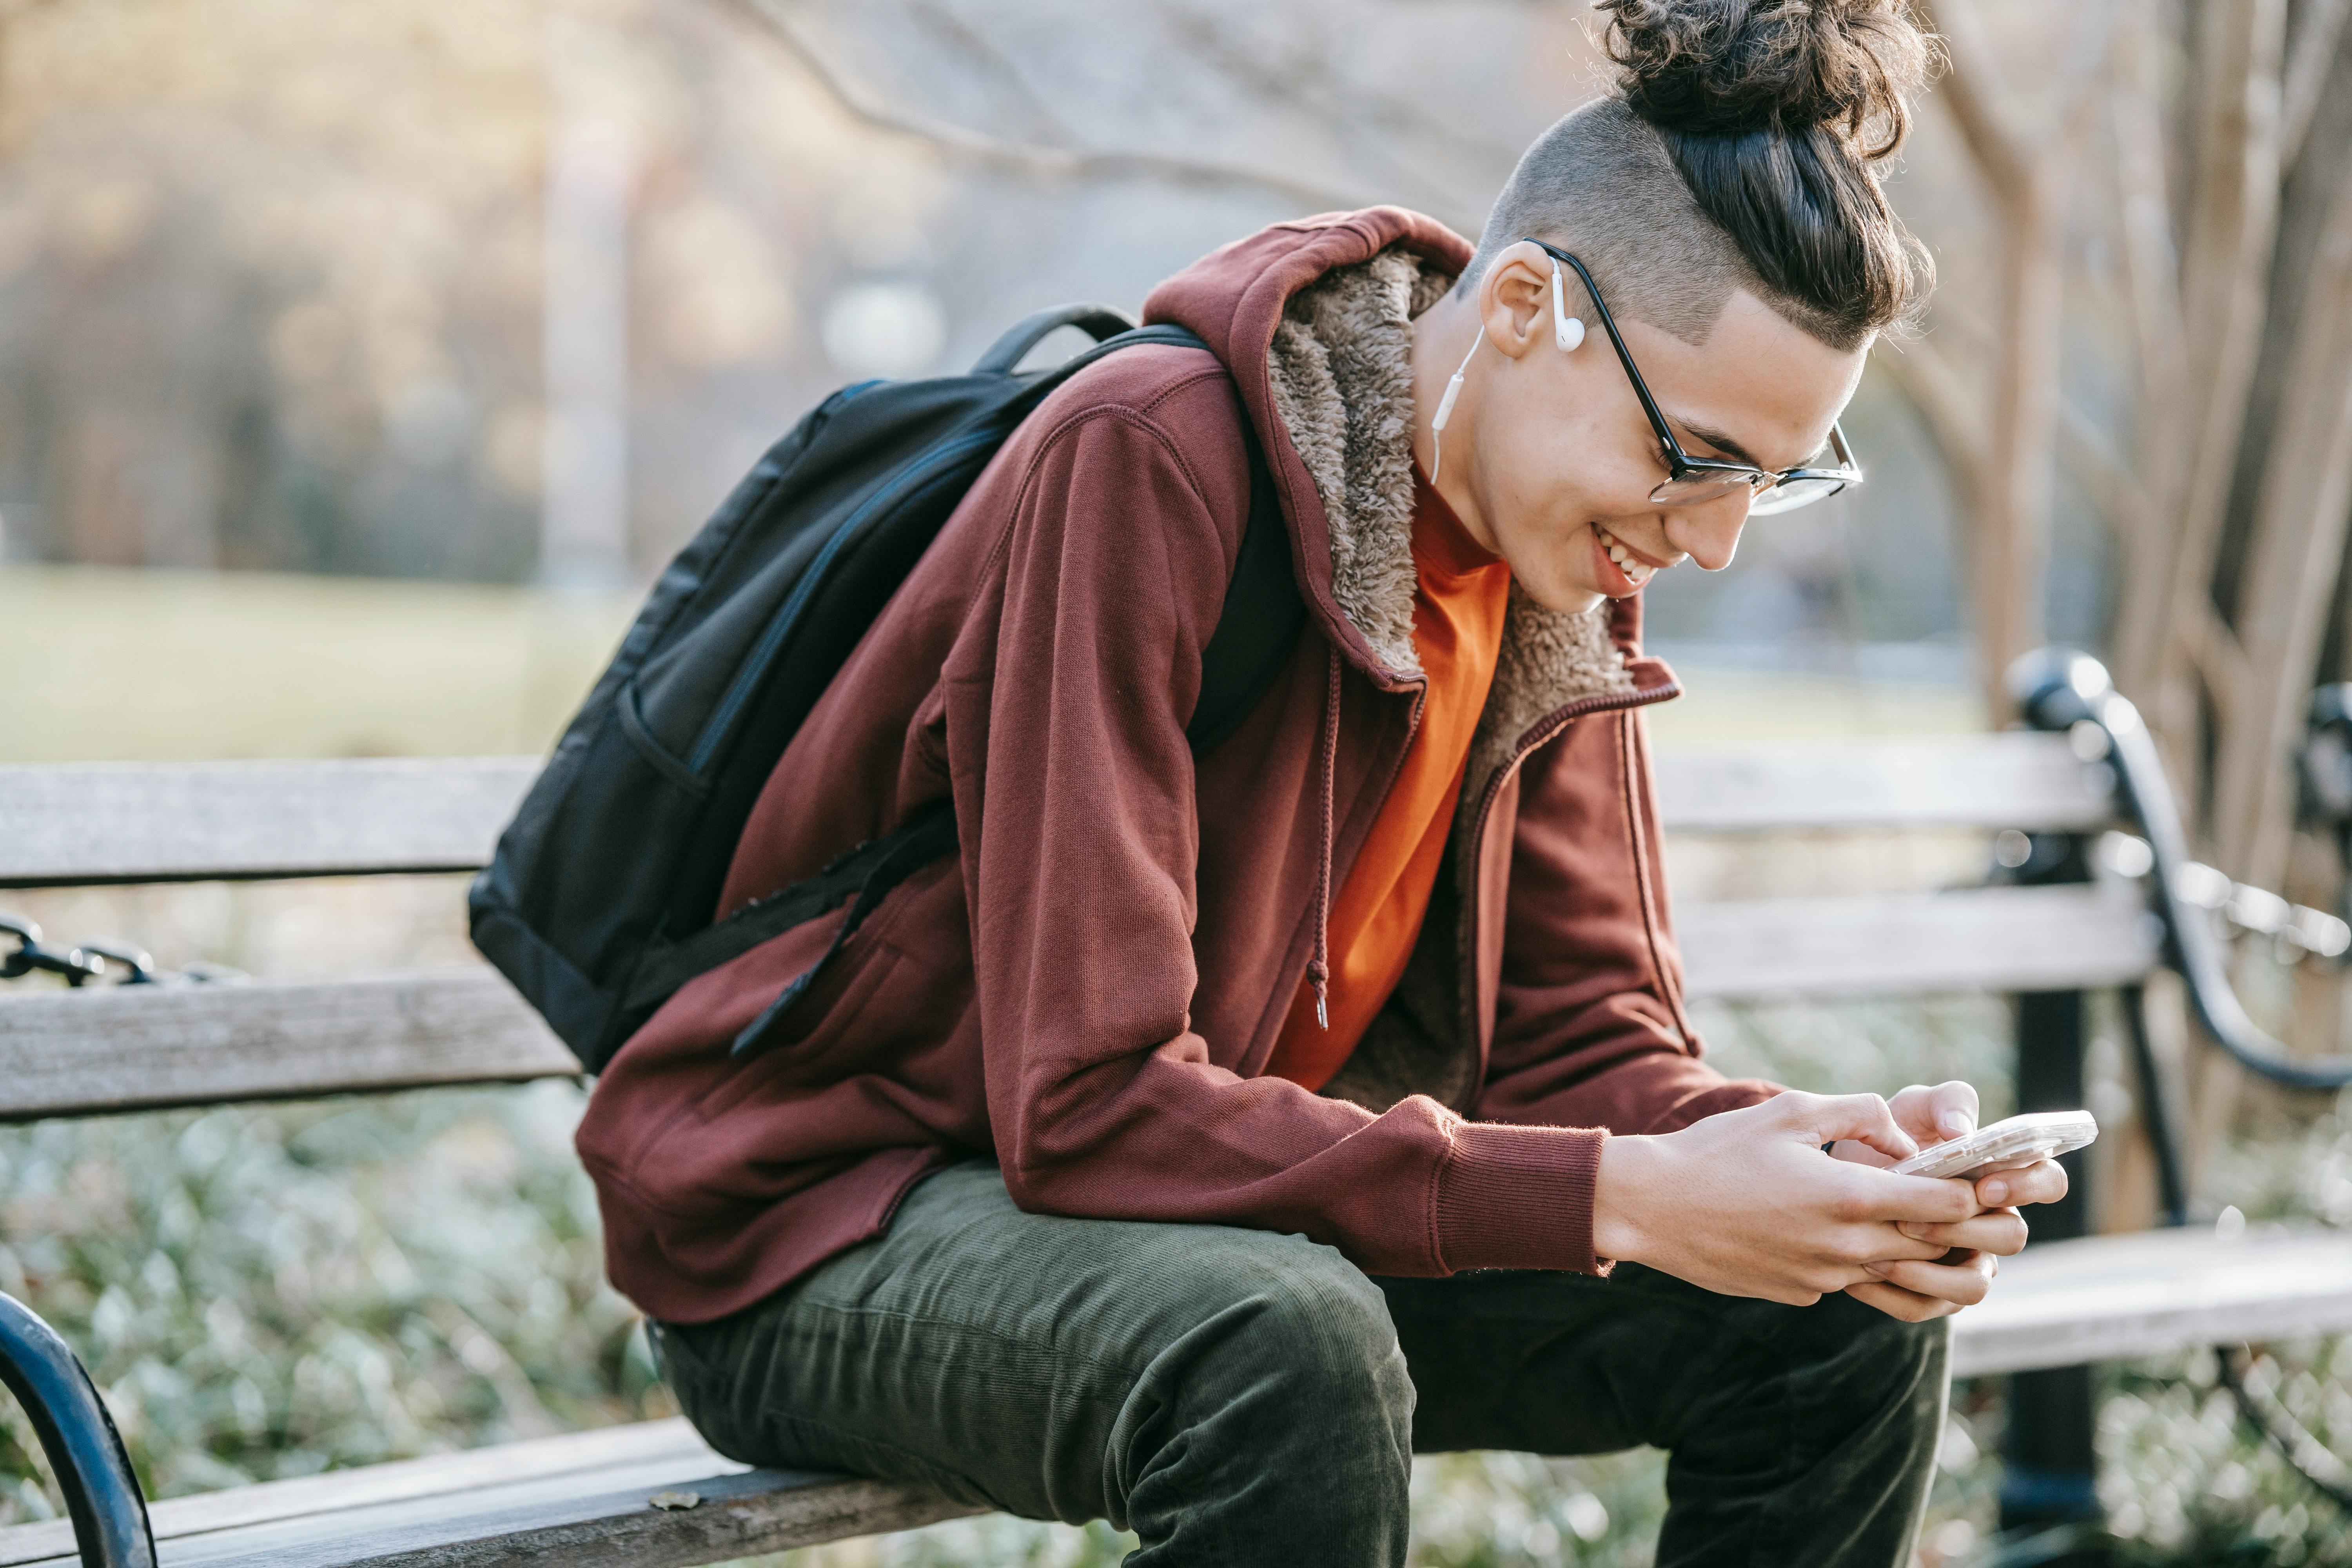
[1636, 572]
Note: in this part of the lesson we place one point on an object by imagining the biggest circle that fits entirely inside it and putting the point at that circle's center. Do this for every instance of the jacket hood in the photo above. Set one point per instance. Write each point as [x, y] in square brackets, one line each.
[1313, 320]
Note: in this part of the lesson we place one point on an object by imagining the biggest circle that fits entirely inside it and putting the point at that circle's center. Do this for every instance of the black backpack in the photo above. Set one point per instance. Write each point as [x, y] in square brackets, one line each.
[598, 903]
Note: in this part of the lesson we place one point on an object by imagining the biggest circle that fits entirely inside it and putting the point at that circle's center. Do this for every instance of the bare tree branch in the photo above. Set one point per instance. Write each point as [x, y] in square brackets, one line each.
[2027, 173]
[2214, 655]
[2225, 268]
[2113, 488]
[2151, 264]
[945, 23]
[2008, 151]
[1972, 91]
[2299, 527]
[1950, 408]
[977, 148]
[1307, 79]
[2310, 51]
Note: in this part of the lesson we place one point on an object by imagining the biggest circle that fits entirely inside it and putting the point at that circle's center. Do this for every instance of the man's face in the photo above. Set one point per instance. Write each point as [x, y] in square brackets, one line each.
[1563, 459]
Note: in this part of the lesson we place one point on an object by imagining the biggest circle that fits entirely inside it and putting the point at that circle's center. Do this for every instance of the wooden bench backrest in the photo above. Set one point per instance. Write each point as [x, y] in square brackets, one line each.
[76, 825]
[141, 1047]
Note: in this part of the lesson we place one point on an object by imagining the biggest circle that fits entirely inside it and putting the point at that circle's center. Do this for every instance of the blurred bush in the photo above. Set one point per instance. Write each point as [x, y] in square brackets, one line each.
[271, 1291]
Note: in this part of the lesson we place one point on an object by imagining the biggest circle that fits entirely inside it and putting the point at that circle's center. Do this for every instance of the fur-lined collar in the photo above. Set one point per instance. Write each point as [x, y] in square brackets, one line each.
[1341, 364]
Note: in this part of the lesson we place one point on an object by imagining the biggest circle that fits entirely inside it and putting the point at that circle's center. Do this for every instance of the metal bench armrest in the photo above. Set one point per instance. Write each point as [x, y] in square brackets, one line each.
[2057, 690]
[102, 1495]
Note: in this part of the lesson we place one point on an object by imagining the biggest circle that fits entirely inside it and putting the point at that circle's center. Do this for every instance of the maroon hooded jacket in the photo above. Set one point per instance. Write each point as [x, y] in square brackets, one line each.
[1089, 990]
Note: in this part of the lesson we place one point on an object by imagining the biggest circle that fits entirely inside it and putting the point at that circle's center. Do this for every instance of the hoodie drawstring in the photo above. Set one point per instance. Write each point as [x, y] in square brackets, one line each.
[1319, 968]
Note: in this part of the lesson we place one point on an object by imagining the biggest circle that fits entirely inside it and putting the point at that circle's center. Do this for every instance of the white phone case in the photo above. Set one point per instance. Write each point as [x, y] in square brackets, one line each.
[2005, 1146]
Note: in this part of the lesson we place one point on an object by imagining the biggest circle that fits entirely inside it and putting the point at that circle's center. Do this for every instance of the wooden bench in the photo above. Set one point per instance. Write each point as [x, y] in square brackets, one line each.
[653, 1494]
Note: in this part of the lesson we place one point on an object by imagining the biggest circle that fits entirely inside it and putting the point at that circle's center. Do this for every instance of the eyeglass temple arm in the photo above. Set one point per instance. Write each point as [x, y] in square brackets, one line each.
[1617, 341]
[1839, 445]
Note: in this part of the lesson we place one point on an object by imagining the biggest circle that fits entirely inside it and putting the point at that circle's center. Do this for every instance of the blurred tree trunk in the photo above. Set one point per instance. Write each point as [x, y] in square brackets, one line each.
[2231, 135]
[2230, 510]
[2002, 459]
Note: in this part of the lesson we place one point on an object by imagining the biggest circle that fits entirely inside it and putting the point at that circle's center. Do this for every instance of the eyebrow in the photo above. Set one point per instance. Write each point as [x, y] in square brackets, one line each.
[1717, 439]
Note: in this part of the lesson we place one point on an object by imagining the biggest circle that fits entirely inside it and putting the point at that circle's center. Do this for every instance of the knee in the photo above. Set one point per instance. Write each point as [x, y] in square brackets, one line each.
[1310, 1329]
[1893, 1370]
[1911, 1353]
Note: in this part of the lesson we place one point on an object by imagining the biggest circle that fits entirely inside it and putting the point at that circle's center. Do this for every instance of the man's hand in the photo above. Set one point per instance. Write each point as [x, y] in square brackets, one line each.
[1916, 1290]
[1746, 1204]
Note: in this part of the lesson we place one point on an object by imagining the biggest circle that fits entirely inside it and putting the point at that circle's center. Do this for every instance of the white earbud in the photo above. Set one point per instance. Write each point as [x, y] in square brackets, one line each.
[1445, 407]
[1567, 330]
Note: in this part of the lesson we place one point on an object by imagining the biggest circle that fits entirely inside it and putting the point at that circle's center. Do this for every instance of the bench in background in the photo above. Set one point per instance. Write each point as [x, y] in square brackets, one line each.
[652, 1494]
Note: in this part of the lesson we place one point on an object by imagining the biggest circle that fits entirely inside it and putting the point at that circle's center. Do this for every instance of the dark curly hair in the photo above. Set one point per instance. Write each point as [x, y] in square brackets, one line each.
[1769, 120]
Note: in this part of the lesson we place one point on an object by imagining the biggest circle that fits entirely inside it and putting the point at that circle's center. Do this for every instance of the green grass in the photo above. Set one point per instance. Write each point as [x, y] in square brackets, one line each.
[105, 665]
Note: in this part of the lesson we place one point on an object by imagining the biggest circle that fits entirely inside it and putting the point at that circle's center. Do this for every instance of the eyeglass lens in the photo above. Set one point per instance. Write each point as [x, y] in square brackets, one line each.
[1697, 488]
[1791, 494]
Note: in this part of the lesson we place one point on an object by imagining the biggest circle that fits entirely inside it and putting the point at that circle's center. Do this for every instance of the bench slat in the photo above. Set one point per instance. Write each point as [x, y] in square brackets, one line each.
[580, 1498]
[160, 821]
[2016, 780]
[644, 1443]
[146, 1047]
[1977, 939]
[167, 822]
[2108, 1297]
[139, 1047]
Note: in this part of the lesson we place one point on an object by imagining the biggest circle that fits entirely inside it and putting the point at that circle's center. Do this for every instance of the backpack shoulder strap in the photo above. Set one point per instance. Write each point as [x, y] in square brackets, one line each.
[1260, 621]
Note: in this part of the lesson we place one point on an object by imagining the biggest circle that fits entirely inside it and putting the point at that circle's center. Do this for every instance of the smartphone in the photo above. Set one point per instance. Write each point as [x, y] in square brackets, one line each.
[2004, 1146]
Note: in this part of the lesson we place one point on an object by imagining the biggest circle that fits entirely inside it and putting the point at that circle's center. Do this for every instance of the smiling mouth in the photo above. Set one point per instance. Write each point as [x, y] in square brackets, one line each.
[1633, 567]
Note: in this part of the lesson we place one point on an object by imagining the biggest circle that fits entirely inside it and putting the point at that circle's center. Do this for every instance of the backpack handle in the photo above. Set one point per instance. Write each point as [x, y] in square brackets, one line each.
[1098, 321]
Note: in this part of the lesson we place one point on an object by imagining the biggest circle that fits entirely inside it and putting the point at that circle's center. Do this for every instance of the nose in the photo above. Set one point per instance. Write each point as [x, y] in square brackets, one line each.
[1709, 533]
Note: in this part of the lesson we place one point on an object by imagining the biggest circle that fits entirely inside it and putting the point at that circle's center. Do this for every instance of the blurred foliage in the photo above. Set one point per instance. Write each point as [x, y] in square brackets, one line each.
[2183, 1485]
[262, 1292]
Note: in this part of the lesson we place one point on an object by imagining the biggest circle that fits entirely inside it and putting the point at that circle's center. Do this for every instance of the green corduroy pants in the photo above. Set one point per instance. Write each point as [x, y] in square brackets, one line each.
[1239, 1396]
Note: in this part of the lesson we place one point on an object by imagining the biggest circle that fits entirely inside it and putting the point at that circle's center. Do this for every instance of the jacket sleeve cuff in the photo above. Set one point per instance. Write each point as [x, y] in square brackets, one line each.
[1735, 1094]
[1518, 1197]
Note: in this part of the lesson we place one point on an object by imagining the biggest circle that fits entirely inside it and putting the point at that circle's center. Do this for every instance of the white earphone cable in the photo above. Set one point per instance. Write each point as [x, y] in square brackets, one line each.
[1445, 407]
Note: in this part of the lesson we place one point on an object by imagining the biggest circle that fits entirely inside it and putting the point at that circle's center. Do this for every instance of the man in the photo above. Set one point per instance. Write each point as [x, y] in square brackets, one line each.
[1213, 1132]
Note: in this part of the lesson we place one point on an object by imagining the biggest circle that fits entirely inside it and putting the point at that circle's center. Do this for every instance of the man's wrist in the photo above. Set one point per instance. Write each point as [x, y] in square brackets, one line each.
[1618, 1187]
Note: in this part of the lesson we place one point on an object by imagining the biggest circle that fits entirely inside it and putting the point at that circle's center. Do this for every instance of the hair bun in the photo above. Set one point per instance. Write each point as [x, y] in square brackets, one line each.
[1721, 68]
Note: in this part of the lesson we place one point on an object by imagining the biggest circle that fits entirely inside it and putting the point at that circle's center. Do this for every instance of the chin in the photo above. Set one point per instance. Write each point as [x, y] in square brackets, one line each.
[1565, 598]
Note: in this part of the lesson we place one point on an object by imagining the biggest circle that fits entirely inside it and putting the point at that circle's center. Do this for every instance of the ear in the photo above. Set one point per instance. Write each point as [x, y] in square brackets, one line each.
[1514, 299]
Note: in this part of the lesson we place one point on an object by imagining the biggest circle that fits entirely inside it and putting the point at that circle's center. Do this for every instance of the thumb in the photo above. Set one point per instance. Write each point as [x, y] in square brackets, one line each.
[1865, 1117]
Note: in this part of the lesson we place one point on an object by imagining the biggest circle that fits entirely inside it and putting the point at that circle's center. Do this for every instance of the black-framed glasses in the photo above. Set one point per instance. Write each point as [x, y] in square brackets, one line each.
[1690, 481]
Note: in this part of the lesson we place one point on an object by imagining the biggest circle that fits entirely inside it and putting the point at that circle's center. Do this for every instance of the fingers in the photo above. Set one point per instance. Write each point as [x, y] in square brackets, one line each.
[2040, 1184]
[1998, 1231]
[1962, 1282]
[1908, 1306]
[1860, 1246]
[1935, 1113]
[1826, 1118]
[1864, 1197]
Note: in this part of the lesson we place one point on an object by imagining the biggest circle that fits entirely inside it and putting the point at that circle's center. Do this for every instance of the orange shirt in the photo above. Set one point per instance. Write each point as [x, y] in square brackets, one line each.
[1460, 594]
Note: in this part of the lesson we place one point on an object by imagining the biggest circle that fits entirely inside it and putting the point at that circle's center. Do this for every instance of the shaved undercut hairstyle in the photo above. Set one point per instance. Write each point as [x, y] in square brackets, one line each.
[1742, 147]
